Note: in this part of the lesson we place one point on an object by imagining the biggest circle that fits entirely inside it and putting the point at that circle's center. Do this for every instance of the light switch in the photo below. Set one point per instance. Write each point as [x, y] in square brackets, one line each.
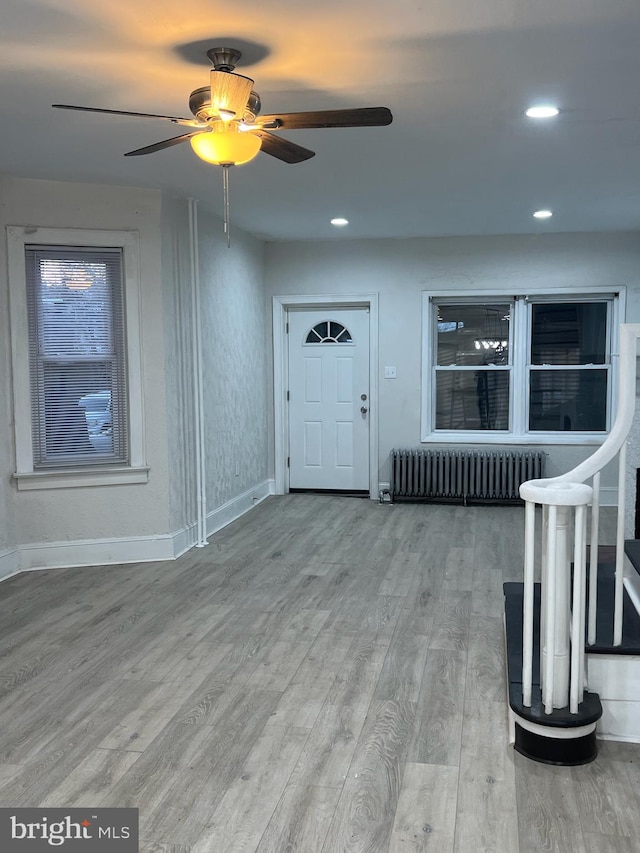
[389, 373]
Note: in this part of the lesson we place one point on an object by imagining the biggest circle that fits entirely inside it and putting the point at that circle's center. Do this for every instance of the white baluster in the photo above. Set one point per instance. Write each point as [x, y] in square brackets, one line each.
[527, 627]
[583, 607]
[577, 616]
[619, 588]
[549, 608]
[593, 559]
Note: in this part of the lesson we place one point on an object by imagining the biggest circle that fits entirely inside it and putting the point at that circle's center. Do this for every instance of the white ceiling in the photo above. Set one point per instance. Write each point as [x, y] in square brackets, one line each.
[460, 157]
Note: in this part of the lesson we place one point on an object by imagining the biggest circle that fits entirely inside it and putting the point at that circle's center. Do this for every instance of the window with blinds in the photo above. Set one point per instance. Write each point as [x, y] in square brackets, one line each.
[75, 307]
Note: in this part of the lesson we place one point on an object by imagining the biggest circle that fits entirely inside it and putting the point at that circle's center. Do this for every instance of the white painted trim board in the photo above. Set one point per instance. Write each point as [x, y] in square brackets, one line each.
[40, 556]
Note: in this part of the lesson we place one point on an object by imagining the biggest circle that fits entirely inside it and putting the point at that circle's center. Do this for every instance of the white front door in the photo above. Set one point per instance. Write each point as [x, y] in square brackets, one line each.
[329, 399]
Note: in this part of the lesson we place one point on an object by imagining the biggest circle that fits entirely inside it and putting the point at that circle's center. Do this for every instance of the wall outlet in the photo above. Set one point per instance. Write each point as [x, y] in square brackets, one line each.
[389, 373]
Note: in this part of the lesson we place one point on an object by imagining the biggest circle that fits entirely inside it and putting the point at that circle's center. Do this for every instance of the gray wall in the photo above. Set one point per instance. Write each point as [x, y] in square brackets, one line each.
[7, 526]
[178, 337]
[399, 270]
[234, 329]
[236, 332]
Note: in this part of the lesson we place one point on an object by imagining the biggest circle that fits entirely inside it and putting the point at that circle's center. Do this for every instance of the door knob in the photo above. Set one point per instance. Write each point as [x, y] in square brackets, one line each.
[364, 410]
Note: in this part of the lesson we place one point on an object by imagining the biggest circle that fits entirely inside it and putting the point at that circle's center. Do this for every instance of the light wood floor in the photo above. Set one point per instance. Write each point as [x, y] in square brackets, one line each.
[327, 675]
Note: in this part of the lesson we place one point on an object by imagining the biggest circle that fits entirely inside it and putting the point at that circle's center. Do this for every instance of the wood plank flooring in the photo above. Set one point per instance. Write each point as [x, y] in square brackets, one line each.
[327, 676]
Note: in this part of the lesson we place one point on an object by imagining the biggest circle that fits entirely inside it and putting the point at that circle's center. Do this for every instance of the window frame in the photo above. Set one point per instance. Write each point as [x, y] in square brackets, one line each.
[520, 355]
[102, 473]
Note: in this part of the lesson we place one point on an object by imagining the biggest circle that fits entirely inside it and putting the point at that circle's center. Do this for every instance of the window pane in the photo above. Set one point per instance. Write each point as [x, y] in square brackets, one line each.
[472, 399]
[473, 334]
[76, 415]
[75, 308]
[569, 333]
[568, 400]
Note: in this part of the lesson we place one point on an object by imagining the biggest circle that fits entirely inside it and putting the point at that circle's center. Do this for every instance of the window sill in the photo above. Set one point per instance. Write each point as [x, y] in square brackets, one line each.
[558, 438]
[77, 477]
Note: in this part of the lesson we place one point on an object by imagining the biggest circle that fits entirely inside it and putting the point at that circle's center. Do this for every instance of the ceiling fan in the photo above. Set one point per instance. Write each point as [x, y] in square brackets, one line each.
[228, 129]
[230, 106]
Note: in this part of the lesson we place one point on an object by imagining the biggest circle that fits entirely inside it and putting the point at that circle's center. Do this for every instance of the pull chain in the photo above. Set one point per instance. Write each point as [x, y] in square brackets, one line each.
[225, 187]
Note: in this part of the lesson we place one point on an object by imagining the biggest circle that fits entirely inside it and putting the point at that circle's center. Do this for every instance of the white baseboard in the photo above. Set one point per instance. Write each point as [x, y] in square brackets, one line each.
[9, 563]
[218, 518]
[128, 549]
[616, 679]
[236, 507]
[619, 721]
[95, 552]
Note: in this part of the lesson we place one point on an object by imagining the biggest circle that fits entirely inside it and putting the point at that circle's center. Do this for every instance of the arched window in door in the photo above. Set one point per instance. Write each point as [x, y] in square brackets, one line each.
[329, 332]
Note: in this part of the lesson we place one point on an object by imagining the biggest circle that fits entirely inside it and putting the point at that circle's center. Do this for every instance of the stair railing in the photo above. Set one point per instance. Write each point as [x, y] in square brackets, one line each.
[565, 502]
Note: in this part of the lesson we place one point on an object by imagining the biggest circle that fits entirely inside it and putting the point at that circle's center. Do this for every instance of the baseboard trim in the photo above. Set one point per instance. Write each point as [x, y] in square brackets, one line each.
[187, 537]
[619, 721]
[130, 549]
[97, 552]
[238, 506]
[9, 563]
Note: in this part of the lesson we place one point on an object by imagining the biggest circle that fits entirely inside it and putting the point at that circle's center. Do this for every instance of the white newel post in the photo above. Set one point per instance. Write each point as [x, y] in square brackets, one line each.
[556, 599]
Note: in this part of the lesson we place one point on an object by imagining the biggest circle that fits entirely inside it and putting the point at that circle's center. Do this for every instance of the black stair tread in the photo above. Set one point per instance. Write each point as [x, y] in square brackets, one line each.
[589, 710]
[632, 550]
[604, 619]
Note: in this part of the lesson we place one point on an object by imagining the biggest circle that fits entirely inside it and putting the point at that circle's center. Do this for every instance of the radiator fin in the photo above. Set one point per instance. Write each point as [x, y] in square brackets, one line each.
[463, 475]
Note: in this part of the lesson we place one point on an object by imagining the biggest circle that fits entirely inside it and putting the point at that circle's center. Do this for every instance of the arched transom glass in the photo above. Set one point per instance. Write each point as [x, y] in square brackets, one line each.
[329, 332]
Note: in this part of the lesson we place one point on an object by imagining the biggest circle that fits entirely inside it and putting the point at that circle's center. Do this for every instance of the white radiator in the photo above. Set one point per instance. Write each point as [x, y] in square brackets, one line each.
[463, 476]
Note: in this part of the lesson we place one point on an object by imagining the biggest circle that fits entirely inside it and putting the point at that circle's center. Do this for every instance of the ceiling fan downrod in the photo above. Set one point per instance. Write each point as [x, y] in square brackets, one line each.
[225, 190]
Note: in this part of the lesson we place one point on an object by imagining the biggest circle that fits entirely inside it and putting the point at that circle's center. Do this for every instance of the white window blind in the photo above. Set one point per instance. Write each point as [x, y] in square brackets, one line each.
[75, 307]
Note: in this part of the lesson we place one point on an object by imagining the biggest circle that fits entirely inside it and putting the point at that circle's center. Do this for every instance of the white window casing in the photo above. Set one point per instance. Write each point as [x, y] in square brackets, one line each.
[127, 463]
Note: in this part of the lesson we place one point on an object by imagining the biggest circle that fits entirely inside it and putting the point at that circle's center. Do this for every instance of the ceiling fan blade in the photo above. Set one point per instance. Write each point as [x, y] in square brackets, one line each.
[166, 143]
[188, 122]
[277, 146]
[361, 117]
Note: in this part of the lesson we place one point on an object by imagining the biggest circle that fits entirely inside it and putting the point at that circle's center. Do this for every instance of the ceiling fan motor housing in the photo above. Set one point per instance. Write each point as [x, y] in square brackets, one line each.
[200, 106]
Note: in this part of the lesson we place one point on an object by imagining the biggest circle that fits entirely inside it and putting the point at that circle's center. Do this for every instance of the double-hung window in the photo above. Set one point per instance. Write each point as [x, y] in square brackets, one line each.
[528, 368]
[76, 357]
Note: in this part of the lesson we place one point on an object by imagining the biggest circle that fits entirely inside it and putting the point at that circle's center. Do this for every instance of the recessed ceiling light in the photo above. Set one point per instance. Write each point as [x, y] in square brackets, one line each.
[542, 111]
[543, 214]
[339, 222]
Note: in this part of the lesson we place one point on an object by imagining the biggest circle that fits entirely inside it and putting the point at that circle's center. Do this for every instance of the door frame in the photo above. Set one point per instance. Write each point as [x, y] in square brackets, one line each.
[280, 306]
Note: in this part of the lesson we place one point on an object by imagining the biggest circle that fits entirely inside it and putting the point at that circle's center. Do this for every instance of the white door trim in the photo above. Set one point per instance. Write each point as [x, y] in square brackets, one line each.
[281, 305]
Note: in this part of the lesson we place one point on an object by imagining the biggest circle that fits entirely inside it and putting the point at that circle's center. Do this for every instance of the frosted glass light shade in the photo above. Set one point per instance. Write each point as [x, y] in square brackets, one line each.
[225, 145]
[229, 94]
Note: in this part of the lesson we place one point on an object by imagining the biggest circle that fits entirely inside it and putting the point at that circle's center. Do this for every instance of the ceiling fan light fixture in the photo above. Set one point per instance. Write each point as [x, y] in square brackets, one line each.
[224, 145]
[229, 94]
